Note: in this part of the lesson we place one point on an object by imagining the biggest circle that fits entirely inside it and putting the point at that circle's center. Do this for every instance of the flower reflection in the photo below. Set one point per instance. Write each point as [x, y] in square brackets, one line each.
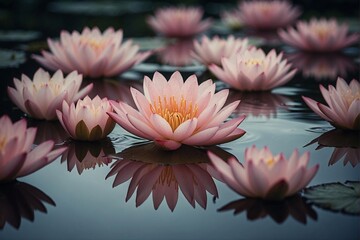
[263, 14]
[49, 130]
[163, 173]
[258, 104]
[346, 145]
[92, 53]
[114, 89]
[343, 110]
[319, 35]
[322, 66]
[177, 53]
[178, 21]
[87, 155]
[279, 211]
[20, 200]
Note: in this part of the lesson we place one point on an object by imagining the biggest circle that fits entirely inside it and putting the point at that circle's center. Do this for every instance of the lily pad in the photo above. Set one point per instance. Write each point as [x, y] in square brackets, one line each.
[18, 36]
[338, 197]
[11, 58]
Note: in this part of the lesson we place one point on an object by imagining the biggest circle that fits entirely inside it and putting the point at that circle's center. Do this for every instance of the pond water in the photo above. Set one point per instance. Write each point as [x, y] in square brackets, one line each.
[83, 195]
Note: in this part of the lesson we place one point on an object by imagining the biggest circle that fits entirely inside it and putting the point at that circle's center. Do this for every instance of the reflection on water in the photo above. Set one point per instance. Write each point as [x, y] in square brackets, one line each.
[322, 66]
[258, 104]
[295, 206]
[162, 173]
[346, 145]
[48, 130]
[177, 53]
[20, 200]
[86, 155]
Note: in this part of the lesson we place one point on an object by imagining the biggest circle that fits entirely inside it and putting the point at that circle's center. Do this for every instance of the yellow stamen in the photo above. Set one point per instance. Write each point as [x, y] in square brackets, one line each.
[2, 142]
[254, 61]
[56, 88]
[174, 113]
[270, 162]
[96, 44]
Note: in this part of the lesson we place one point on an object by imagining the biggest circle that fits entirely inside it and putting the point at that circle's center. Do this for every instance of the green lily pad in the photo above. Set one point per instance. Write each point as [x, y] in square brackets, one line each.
[338, 197]
[11, 58]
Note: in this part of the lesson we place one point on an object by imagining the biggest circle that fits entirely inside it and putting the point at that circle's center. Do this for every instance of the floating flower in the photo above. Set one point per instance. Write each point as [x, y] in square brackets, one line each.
[211, 51]
[165, 174]
[268, 14]
[175, 112]
[17, 159]
[252, 70]
[20, 200]
[87, 120]
[178, 21]
[344, 104]
[41, 97]
[264, 175]
[319, 35]
[92, 53]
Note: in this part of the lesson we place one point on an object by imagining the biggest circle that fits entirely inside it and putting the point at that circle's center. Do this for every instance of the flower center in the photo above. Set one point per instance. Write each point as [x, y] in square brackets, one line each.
[55, 88]
[95, 43]
[173, 112]
[270, 162]
[350, 96]
[253, 61]
[322, 32]
[2, 142]
[167, 176]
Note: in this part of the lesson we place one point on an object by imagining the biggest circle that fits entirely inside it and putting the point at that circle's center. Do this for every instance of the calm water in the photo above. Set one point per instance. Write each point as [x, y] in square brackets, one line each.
[72, 198]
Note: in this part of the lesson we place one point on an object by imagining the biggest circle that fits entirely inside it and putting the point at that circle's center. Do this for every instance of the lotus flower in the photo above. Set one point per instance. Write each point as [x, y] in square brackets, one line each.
[20, 200]
[87, 120]
[268, 15]
[17, 159]
[87, 155]
[264, 175]
[175, 112]
[211, 51]
[344, 104]
[40, 98]
[92, 53]
[178, 21]
[326, 66]
[254, 71]
[295, 206]
[319, 35]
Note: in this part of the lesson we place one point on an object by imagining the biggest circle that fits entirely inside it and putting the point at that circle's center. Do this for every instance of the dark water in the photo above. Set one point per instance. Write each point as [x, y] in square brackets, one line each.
[72, 199]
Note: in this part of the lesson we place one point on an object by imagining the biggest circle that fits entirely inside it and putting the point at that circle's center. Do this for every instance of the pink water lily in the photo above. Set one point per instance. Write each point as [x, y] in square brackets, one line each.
[253, 70]
[211, 51]
[264, 14]
[17, 158]
[319, 35]
[343, 110]
[264, 175]
[164, 181]
[41, 97]
[87, 120]
[175, 112]
[92, 53]
[179, 21]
